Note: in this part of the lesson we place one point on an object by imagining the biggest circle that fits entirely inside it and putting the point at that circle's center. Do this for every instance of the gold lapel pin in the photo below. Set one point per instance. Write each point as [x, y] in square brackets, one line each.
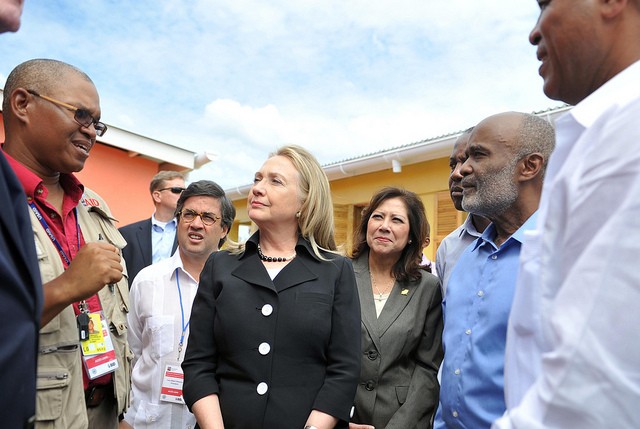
[405, 292]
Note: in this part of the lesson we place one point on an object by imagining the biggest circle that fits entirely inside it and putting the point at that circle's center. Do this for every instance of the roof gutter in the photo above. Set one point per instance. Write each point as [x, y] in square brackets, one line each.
[413, 153]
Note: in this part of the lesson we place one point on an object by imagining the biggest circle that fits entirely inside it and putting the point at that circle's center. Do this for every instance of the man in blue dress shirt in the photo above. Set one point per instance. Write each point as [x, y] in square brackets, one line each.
[502, 180]
[151, 240]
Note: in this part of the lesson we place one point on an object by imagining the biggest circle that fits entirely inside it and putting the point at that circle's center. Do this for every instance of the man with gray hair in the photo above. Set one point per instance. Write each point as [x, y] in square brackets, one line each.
[161, 299]
[502, 178]
[151, 240]
[452, 246]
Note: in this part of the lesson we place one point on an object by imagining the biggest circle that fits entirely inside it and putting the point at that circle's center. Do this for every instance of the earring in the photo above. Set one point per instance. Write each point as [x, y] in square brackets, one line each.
[298, 214]
[410, 241]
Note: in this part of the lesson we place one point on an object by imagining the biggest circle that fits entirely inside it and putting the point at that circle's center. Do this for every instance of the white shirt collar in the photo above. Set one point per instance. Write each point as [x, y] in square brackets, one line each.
[617, 91]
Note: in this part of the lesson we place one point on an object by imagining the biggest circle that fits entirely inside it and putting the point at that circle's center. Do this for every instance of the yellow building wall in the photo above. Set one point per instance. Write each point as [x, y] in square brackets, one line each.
[430, 180]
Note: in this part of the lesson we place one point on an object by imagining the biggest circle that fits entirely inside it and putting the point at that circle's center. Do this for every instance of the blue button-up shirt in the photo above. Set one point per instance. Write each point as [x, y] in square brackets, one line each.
[476, 311]
[163, 235]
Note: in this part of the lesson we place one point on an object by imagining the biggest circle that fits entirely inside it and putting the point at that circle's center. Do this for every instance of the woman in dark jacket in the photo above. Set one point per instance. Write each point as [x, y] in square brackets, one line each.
[275, 338]
[401, 316]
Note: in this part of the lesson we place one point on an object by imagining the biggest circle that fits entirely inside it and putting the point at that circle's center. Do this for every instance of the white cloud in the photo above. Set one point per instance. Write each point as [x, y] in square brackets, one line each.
[242, 77]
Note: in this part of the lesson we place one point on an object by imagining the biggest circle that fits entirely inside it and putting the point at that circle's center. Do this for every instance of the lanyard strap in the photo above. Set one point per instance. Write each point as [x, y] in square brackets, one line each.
[52, 237]
[184, 327]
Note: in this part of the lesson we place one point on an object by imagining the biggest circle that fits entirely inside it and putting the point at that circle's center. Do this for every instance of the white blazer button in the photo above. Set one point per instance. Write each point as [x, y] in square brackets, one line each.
[262, 388]
[267, 309]
[264, 349]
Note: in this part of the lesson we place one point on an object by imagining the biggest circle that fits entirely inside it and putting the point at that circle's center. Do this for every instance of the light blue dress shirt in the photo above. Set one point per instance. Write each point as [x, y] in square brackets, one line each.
[476, 311]
[162, 236]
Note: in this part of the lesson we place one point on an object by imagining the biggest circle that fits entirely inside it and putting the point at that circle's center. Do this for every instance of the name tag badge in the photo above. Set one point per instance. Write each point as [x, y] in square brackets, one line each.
[98, 354]
[172, 381]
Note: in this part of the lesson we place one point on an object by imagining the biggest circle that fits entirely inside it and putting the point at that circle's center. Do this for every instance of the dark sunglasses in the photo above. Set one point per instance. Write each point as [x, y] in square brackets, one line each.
[81, 116]
[173, 189]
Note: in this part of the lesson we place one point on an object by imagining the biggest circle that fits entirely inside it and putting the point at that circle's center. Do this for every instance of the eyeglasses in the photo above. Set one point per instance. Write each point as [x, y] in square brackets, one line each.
[173, 189]
[81, 116]
[189, 216]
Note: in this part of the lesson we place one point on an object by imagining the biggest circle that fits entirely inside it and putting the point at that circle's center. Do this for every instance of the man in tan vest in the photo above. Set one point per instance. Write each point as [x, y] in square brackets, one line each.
[51, 115]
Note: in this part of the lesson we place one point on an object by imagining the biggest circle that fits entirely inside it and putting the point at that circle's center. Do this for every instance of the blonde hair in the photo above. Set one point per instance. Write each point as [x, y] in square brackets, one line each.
[316, 214]
[315, 222]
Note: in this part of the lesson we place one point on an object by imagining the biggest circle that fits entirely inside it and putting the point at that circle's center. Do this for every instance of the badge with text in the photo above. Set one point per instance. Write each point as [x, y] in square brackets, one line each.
[98, 354]
[172, 381]
[95, 343]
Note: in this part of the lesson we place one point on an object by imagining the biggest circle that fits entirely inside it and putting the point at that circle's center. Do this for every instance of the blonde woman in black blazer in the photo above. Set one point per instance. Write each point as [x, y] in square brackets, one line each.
[275, 337]
[401, 316]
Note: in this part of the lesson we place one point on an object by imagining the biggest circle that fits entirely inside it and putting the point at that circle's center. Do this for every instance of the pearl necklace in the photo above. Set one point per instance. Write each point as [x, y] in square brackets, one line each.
[380, 296]
[274, 258]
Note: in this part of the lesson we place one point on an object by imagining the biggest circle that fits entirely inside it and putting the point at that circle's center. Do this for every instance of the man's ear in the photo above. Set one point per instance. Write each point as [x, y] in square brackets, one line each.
[612, 8]
[531, 166]
[19, 103]
[225, 232]
[156, 197]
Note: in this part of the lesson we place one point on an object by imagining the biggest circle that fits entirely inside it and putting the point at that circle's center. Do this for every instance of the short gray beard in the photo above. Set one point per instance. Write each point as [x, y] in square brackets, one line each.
[494, 193]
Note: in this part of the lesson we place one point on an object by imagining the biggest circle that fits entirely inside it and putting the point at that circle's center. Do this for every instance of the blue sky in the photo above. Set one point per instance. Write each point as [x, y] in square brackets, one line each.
[242, 77]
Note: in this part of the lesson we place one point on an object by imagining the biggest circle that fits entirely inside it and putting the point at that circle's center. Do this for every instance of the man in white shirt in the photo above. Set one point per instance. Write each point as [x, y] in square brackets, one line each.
[454, 244]
[151, 240]
[573, 355]
[160, 310]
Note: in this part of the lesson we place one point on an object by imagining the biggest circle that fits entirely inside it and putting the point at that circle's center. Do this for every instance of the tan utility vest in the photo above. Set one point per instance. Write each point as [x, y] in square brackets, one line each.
[60, 399]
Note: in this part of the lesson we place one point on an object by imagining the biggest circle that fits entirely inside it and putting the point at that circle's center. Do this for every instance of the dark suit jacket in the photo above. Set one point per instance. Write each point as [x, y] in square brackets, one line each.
[138, 252]
[306, 350]
[20, 303]
[402, 351]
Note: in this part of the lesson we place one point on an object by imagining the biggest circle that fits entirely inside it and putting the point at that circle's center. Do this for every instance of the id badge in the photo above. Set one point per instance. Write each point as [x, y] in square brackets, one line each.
[172, 381]
[98, 354]
[95, 342]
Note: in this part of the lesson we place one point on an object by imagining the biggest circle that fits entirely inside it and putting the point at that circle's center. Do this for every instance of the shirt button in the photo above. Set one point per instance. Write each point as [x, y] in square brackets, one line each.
[264, 349]
[481, 293]
[267, 309]
[455, 414]
[372, 354]
[370, 385]
[262, 388]
[494, 257]
[457, 371]
[468, 332]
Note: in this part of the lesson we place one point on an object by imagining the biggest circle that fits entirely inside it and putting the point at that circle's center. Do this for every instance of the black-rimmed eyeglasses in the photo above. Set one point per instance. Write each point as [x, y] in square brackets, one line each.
[81, 116]
[173, 189]
[190, 215]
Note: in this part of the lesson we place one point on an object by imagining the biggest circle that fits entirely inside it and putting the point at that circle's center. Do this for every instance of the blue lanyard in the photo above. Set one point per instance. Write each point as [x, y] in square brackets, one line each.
[53, 239]
[184, 327]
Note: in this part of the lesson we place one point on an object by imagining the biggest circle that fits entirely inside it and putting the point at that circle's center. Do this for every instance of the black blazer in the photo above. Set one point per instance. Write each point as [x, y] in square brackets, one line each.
[402, 351]
[138, 252]
[298, 337]
[20, 303]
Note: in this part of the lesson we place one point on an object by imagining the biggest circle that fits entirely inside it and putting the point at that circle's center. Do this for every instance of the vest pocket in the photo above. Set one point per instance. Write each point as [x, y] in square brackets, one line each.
[51, 386]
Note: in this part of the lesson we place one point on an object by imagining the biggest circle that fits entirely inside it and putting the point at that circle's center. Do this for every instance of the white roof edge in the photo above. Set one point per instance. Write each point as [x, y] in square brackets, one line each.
[414, 153]
[148, 147]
